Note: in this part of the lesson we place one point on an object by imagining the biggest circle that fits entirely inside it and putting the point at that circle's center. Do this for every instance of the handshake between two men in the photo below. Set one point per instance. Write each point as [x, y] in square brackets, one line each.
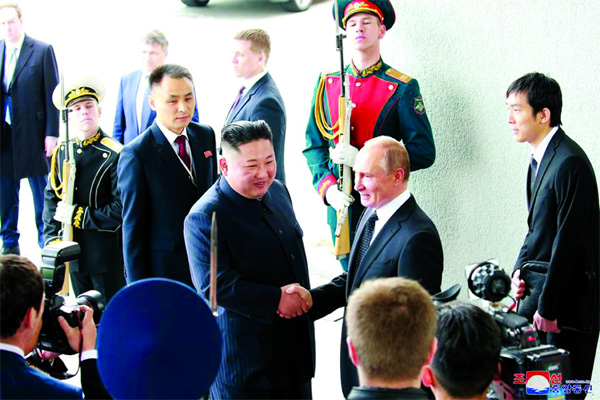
[295, 301]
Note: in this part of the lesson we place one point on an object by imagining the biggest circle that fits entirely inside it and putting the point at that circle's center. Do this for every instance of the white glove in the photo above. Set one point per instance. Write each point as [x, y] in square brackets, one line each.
[338, 199]
[64, 212]
[343, 154]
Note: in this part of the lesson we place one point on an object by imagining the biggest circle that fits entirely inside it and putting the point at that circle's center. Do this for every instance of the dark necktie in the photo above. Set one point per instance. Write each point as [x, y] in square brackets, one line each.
[532, 173]
[183, 154]
[365, 242]
[238, 98]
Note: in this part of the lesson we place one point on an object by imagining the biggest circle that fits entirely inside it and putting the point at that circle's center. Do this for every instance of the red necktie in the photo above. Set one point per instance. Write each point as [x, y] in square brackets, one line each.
[183, 154]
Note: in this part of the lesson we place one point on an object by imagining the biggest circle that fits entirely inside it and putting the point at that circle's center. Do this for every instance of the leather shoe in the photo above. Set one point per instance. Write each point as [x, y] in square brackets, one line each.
[12, 250]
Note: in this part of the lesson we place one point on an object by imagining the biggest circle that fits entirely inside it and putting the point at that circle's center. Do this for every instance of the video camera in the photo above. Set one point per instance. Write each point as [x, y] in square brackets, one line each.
[52, 337]
[521, 349]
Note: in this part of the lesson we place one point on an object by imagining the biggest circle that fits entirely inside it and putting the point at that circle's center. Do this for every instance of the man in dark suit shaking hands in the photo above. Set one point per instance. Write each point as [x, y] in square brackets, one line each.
[259, 97]
[260, 254]
[161, 175]
[394, 237]
[28, 122]
[563, 222]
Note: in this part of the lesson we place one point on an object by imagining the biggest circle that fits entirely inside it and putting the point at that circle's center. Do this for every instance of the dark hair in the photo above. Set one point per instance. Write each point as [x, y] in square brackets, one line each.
[172, 70]
[468, 350]
[21, 287]
[542, 92]
[241, 132]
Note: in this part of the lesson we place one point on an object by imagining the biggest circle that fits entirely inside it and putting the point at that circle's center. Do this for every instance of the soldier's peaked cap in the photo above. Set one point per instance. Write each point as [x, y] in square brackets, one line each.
[79, 89]
[382, 9]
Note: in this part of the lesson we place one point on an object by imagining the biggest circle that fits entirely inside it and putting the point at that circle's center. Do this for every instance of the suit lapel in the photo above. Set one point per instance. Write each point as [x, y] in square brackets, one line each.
[389, 230]
[24, 56]
[546, 161]
[170, 158]
[247, 97]
[133, 96]
[2, 51]
[146, 111]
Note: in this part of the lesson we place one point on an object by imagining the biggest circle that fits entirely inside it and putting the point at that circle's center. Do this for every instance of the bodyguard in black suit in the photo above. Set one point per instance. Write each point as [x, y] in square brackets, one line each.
[22, 307]
[260, 253]
[259, 97]
[563, 221]
[162, 173]
[394, 237]
[28, 120]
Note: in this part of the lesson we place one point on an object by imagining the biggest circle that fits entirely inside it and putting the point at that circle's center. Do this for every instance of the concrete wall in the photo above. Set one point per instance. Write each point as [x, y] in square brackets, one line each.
[465, 54]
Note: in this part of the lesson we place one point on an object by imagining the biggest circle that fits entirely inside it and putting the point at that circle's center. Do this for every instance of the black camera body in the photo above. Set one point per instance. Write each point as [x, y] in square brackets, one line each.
[52, 337]
[521, 350]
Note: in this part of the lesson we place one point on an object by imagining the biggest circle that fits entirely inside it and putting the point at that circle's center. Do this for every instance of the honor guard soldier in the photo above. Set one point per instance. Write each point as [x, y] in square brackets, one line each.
[95, 212]
[384, 101]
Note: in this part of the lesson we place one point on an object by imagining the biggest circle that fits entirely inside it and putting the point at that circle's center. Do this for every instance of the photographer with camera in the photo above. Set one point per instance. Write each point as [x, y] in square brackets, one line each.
[467, 356]
[21, 310]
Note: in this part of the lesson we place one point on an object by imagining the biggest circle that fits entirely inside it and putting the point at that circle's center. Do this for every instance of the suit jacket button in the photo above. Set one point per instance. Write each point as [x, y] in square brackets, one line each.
[280, 231]
[292, 256]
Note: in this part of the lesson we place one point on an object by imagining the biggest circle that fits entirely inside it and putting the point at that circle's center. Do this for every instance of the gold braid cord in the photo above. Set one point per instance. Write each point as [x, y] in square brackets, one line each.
[54, 173]
[329, 132]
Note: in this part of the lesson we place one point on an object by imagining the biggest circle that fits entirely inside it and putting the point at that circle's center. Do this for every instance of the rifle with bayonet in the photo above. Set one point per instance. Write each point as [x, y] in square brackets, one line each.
[68, 178]
[342, 230]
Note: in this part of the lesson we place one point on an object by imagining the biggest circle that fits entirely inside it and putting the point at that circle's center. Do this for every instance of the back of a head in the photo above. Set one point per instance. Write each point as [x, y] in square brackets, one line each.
[542, 92]
[21, 287]
[391, 322]
[259, 39]
[468, 350]
[241, 132]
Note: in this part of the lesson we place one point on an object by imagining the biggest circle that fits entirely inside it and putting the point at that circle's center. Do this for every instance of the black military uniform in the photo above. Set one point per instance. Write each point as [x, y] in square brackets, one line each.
[97, 214]
[96, 208]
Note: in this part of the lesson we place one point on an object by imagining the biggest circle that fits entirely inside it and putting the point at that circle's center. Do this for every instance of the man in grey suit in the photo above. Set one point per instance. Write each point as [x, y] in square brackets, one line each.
[394, 237]
[28, 120]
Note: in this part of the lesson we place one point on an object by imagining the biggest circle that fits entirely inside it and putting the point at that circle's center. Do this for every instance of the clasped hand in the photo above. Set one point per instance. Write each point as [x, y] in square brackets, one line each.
[64, 212]
[295, 301]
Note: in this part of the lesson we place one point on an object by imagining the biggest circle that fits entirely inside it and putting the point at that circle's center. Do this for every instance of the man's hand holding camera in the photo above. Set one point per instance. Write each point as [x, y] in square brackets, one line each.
[81, 338]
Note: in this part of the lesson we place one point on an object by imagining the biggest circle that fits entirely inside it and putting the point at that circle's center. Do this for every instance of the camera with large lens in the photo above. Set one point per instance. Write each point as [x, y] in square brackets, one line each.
[521, 350]
[52, 337]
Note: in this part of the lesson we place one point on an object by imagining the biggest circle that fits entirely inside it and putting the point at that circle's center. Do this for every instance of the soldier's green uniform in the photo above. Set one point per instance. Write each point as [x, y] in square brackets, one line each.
[384, 102]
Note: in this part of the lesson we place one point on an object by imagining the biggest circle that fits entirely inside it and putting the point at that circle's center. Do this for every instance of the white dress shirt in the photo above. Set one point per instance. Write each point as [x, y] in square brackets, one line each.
[385, 212]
